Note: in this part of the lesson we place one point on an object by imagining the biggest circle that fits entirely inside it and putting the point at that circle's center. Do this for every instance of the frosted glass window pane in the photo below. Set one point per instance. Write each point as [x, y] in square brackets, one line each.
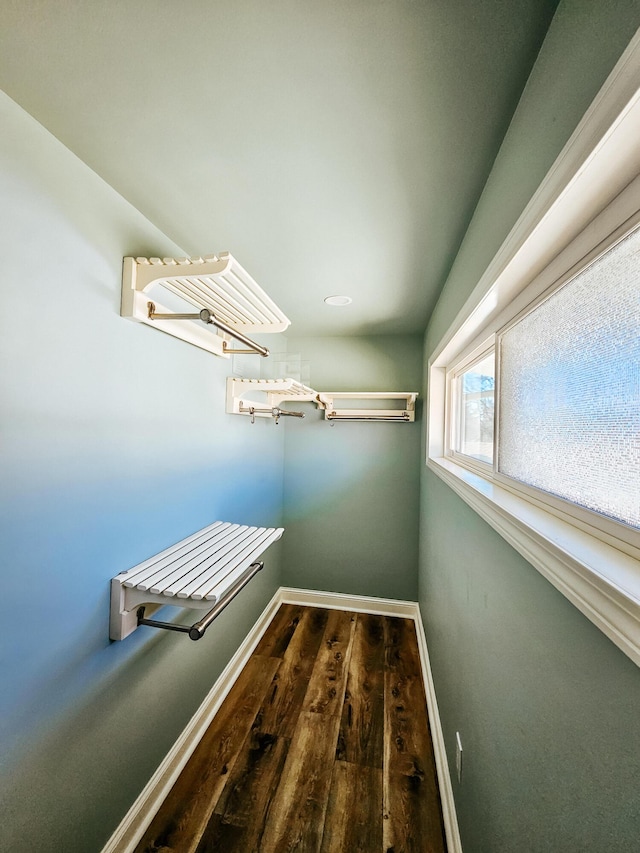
[570, 389]
[476, 393]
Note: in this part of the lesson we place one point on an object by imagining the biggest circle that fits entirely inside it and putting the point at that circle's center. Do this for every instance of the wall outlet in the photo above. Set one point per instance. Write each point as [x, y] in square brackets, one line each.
[458, 757]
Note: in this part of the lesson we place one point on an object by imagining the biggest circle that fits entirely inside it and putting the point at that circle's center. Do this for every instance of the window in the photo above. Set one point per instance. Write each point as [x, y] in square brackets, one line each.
[564, 428]
[570, 389]
[534, 392]
[474, 410]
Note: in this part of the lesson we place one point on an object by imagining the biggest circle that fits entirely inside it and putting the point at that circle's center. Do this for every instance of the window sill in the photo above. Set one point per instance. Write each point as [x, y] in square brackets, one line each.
[601, 581]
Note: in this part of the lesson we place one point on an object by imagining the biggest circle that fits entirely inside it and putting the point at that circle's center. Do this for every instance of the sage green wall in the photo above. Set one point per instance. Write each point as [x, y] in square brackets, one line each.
[115, 445]
[546, 705]
[352, 489]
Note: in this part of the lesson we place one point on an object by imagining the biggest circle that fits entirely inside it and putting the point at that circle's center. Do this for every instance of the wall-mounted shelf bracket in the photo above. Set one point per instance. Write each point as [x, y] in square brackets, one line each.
[162, 292]
[399, 414]
[203, 571]
[263, 398]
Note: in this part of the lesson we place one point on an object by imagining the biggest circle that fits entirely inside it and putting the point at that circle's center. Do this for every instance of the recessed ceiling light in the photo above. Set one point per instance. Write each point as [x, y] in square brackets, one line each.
[338, 300]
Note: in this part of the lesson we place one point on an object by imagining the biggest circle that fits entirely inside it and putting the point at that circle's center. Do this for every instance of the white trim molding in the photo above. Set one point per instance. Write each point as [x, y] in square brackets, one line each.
[141, 813]
[342, 601]
[449, 816]
[570, 559]
[600, 159]
[591, 193]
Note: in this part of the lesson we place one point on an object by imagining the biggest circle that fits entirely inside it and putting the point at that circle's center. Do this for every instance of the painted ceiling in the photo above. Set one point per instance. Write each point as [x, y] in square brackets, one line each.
[331, 147]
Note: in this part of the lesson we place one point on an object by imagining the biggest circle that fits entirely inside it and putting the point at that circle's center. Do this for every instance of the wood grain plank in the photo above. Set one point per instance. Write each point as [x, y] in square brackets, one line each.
[238, 822]
[279, 712]
[275, 640]
[362, 726]
[297, 814]
[353, 820]
[401, 645]
[325, 691]
[182, 818]
[412, 819]
[323, 747]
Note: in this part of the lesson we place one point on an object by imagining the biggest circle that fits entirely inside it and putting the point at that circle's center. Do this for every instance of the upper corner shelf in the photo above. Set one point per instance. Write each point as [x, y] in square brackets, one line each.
[241, 400]
[241, 397]
[404, 414]
[228, 303]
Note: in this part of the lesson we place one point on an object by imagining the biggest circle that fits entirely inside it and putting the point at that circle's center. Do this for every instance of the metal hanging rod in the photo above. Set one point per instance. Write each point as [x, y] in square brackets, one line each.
[336, 416]
[196, 631]
[209, 317]
[275, 412]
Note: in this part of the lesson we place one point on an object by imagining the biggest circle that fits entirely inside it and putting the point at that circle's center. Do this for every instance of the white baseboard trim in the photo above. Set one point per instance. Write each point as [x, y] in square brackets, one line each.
[341, 601]
[141, 813]
[406, 610]
[449, 816]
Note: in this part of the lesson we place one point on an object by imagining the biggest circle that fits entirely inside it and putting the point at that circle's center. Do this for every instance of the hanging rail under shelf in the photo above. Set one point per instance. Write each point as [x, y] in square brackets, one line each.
[218, 284]
[262, 398]
[404, 414]
[367, 415]
[198, 572]
[208, 318]
[196, 631]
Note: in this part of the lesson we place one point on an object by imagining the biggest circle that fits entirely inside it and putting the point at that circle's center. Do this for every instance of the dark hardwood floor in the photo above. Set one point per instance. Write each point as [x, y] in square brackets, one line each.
[322, 745]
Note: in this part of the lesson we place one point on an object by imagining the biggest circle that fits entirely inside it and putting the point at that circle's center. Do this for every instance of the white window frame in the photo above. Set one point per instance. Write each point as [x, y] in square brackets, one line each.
[589, 200]
[616, 533]
[452, 415]
[621, 535]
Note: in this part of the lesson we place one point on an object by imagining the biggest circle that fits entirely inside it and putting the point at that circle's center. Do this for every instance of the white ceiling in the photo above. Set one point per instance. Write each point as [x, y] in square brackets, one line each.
[331, 147]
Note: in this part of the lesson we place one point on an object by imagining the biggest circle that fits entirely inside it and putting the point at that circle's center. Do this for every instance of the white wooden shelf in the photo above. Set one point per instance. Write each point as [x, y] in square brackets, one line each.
[216, 284]
[263, 398]
[197, 572]
[403, 413]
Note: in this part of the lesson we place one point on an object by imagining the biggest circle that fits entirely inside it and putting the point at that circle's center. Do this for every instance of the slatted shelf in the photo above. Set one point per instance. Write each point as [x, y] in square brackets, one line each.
[196, 572]
[262, 395]
[217, 283]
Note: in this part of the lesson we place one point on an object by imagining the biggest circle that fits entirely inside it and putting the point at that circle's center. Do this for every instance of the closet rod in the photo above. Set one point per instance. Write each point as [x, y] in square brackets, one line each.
[336, 416]
[275, 411]
[209, 317]
[196, 631]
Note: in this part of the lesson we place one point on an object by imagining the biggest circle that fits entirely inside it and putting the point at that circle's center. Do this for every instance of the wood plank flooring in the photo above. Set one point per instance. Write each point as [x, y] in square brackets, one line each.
[322, 746]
